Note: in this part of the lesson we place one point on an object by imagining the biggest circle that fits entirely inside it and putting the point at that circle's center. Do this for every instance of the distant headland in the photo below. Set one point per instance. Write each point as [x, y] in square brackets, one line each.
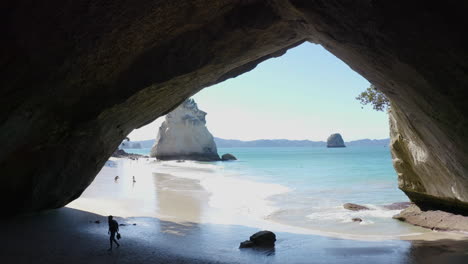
[265, 143]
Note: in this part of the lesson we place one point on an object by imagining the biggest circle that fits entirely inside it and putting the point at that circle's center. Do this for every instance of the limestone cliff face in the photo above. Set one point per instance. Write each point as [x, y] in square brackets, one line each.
[184, 135]
[335, 141]
[431, 180]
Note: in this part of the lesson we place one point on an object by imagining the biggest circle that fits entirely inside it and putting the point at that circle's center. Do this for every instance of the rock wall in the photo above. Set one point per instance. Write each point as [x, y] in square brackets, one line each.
[82, 73]
[431, 181]
[184, 136]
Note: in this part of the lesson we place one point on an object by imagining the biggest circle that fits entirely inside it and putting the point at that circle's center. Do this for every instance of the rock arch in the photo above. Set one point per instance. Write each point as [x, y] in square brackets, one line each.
[78, 76]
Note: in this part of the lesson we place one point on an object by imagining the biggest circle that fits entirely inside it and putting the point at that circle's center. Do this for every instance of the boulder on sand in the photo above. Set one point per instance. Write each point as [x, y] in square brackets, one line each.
[260, 239]
[354, 207]
[397, 206]
[228, 156]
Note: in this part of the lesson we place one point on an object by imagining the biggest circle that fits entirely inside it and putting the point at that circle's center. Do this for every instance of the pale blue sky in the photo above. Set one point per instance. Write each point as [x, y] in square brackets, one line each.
[307, 93]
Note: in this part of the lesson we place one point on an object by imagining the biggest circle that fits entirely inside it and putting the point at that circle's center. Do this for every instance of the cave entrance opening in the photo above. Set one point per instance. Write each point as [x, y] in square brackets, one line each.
[284, 170]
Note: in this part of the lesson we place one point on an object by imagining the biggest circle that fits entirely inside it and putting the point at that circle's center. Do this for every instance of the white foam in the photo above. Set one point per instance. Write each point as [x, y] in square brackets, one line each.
[188, 165]
[228, 193]
[342, 215]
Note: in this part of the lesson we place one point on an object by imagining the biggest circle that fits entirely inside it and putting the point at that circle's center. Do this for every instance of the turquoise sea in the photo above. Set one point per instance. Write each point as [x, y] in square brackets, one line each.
[305, 187]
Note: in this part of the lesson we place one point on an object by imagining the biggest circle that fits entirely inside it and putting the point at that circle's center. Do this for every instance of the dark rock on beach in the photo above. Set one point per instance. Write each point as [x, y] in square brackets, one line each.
[120, 153]
[357, 219]
[247, 244]
[354, 207]
[260, 239]
[228, 156]
[435, 220]
[397, 206]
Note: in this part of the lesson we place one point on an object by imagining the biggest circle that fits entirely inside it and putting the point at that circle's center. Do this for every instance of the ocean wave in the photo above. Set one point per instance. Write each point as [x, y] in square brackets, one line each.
[187, 164]
[342, 215]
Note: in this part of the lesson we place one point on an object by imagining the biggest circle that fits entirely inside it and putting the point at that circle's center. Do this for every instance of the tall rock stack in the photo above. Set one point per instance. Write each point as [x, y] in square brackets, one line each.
[184, 136]
[335, 141]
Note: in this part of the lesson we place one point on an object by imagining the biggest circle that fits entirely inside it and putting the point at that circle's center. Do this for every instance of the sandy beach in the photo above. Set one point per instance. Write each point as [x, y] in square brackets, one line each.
[169, 219]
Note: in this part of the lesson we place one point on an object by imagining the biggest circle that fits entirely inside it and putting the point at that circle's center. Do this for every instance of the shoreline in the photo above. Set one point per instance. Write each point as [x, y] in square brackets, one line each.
[71, 236]
[183, 199]
[176, 225]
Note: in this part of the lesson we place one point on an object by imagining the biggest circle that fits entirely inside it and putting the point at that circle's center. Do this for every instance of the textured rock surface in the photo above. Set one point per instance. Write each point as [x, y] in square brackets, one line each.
[184, 136]
[263, 238]
[76, 74]
[437, 220]
[354, 207]
[397, 206]
[335, 141]
[228, 156]
[430, 180]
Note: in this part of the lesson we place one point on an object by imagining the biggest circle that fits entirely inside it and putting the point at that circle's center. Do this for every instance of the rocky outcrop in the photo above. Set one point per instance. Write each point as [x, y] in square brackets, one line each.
[428, 174]
[354, 207]
[184, 136]
[130, 145]
[335, 141]
[227, 157]
[435, 220]
[78, 76]
[120, 153]
[397, 206]
[260, 239]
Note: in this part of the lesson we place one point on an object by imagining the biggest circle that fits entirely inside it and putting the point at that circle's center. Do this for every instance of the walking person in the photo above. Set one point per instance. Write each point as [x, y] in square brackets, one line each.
[113, 228]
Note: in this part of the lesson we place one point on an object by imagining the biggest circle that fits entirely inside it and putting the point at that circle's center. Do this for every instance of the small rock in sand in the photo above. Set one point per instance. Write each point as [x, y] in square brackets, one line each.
[357, 219]
[354, 207]
[397, 206]
[227, 157]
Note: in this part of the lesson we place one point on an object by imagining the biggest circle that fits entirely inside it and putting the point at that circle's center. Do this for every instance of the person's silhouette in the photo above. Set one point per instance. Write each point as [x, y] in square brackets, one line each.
[113, 228]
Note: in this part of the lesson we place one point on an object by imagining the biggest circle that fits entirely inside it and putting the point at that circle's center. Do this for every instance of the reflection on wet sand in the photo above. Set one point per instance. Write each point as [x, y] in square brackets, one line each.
[178, 226]
[45, 238]
[180, 198]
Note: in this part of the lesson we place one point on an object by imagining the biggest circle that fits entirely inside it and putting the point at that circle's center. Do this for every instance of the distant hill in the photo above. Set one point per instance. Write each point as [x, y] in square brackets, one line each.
[234, 143]
[147, 143]
[369, 142]
[231, 143]
[137, 144]
[265, 143]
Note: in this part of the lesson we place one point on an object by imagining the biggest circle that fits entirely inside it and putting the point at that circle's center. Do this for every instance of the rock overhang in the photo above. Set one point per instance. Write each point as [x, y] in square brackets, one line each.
[79, 74]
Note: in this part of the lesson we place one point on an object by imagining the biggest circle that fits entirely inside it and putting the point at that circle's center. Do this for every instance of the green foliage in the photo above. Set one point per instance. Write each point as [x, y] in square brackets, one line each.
[376, 98]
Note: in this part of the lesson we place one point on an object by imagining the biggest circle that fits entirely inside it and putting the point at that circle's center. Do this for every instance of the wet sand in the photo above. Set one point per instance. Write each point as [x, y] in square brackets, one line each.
[175, 224]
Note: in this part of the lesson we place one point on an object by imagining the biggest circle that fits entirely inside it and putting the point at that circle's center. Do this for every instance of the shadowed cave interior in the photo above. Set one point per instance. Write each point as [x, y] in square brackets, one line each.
[84, 74]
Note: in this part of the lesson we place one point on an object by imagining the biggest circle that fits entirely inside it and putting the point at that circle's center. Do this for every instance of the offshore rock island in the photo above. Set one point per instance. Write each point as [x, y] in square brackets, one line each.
[184, 136]
[335, 141]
